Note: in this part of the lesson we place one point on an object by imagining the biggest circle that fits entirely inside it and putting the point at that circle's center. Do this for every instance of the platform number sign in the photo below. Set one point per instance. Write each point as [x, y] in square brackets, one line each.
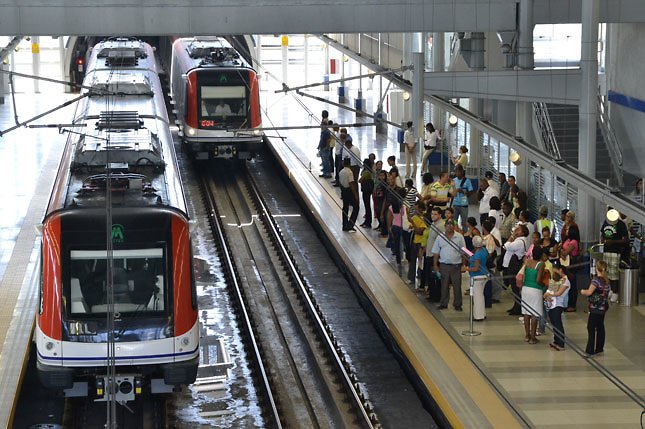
[118, 234]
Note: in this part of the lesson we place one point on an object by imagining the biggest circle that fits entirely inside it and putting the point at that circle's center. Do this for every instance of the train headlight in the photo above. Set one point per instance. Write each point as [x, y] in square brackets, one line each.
[185, 341]
[49, 345]
[190, 130]
[257, 132]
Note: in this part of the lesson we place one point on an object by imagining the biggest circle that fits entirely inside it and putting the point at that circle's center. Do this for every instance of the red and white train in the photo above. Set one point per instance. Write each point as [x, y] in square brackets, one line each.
[217, 98]
[115, 240]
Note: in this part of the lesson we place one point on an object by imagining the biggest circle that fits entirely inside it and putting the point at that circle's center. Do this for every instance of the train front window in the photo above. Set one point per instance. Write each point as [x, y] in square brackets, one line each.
[137, 278]
[223, 106]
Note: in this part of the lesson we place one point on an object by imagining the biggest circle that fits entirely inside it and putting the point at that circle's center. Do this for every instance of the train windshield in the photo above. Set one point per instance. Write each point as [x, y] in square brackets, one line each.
[138, 281]
[223, 106]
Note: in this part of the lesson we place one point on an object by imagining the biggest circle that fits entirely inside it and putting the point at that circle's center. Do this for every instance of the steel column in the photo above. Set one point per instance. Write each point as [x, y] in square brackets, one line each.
[588, 114]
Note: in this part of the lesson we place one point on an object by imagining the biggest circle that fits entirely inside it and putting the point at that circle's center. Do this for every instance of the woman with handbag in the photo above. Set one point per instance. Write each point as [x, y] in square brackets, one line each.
[532, 291]
[515, 247]
[598, 293]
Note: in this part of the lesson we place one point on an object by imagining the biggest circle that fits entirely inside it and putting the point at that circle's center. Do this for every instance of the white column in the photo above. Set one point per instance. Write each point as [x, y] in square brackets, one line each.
[589, 223]
[407, 60]
[306, 47]
[438, 65]
[418, 61]
[35, 51]
[258, 53]
[285, 57]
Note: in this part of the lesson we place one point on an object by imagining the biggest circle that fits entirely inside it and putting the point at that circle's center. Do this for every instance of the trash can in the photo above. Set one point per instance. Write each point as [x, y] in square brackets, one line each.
[628, 293]
[399, 138]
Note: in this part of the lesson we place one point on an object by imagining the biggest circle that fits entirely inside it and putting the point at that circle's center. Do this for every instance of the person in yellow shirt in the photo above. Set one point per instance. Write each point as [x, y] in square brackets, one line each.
[418, 224]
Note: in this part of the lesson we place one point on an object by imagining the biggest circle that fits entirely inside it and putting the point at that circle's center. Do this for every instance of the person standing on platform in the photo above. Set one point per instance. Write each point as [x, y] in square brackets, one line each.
[515, 250]
[429, 280]
[477, 270]
[544, 222]
[598, 295]
[504, 187]
[332, 145]
[324, 150]
[429, 146]
[442, 191]
[506, 229]
[380, 191]
[338, 148]
[484, 194]
[461, 158]
[569, 250]
[614, 236]
[325, 117]
[448, 262]
[352, 152]
[532, 294]
[410, 151]
[349, 195]
[418, 225]
[343, 138]
[556, 296]
[367, 188]
[464, 189]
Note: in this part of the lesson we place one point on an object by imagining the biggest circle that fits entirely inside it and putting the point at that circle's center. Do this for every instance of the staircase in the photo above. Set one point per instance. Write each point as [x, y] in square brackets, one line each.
[564, 121]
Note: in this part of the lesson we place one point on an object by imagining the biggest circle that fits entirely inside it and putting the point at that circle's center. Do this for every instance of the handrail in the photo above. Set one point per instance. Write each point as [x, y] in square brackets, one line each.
[613, 147]
[541, 114]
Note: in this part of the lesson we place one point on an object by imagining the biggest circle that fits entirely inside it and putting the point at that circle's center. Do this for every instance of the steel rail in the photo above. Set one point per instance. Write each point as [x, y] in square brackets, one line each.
[369, 417]
[231, 273]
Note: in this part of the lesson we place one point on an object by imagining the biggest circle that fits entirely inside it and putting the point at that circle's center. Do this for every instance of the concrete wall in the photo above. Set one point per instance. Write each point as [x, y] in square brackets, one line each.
[625, 76]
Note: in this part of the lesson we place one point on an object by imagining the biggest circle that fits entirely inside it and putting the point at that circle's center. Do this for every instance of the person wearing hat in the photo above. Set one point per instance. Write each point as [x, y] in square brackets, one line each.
[615, 238]
[477, 270]
[543, 221]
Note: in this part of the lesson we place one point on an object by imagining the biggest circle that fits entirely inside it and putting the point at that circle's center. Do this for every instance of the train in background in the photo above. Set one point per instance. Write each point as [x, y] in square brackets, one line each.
[217, 99]
[117, 226]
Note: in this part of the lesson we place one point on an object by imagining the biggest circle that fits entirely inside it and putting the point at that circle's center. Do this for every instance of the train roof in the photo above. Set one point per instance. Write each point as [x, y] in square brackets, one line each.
[209, 52]
[122, 133]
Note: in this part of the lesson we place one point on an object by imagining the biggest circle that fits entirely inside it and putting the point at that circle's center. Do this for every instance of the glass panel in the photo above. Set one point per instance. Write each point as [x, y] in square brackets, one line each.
[223, 101]
[138, 281]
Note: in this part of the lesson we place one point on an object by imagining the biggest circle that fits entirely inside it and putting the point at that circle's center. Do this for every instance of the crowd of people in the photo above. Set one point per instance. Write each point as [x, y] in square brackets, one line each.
[430, 229]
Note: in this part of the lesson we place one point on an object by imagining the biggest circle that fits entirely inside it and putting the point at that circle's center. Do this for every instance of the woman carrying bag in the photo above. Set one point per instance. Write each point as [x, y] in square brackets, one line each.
[532, 292]
[598, 295]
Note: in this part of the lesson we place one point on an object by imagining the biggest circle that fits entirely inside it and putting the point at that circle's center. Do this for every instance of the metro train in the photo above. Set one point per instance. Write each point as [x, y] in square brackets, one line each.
[217, 98]
[115, 240]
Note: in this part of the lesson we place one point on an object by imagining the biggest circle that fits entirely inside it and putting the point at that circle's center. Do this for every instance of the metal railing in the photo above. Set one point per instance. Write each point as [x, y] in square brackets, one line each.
[613, 147]
[541, 116]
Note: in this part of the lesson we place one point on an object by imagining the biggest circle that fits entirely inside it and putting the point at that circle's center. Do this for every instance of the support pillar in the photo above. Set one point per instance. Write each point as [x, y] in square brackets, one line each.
[523, 128]
[476, 106]
[258, 53]
[438, 65]
[407, 60]
[589, 223]
[306, 53]
[418, 62]
[525, 56]
[326, 76]
[285, 57]
[35, 51]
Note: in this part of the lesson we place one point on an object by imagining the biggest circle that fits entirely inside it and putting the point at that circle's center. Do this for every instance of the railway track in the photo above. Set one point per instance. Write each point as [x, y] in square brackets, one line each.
[304, 375]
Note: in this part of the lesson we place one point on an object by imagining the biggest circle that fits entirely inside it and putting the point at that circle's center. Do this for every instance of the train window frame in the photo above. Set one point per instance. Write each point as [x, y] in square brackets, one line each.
[237, 78]
[141, 250]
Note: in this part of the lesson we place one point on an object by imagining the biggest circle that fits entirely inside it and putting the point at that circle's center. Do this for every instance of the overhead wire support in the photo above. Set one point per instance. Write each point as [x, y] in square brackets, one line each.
[286, 88]
[351, 109]
[24, 123]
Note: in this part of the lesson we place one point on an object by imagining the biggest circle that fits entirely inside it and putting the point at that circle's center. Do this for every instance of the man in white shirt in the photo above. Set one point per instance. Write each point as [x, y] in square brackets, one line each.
[410, 151]
[448, 261]
[349, 195]
[484, 194]
[489, 176]
[516, 245]
[354, 154]
[222, 109]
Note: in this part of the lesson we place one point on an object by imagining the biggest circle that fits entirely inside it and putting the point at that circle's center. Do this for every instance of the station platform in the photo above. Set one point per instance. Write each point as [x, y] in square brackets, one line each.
[28, 163]
[492, 380]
